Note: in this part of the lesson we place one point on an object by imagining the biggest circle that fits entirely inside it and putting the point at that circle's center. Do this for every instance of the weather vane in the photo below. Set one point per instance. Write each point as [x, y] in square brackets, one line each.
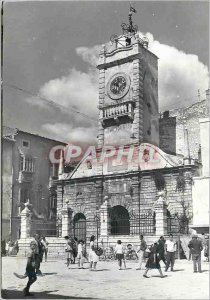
[129, 30]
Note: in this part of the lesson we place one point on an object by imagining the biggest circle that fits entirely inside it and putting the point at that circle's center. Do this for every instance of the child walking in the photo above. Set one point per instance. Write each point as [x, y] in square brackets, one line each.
[119, 251]
[30, 269]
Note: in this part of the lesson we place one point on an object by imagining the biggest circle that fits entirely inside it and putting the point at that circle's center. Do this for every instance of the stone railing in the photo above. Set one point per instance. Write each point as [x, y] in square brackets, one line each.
[117, 110]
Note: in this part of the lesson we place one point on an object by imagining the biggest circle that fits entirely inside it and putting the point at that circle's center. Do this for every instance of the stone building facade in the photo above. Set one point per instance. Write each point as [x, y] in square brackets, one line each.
[26, 174]
[180, 129]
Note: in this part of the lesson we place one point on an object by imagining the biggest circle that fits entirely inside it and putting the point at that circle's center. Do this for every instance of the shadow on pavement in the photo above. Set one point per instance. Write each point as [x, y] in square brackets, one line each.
[204, 271]
[52, 273]
[15, 294]
[177, 270]
[101, 270]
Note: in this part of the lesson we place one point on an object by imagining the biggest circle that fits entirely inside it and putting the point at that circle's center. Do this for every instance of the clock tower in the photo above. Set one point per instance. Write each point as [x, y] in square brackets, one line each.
[128, 90]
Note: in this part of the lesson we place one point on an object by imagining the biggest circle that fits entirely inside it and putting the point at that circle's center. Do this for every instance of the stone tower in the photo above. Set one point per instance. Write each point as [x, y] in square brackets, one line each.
[128, 91]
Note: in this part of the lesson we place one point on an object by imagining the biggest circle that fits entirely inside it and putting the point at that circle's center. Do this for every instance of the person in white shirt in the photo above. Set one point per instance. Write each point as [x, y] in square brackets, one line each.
[80, 255]
[170, 247]
[119, 251]
[7, 248]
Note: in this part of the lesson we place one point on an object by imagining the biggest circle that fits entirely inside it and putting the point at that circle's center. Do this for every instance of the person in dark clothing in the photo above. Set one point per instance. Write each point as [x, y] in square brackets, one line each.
[30, 269]
[161, 249]
[153, 261]
[68, 250]
[38, 253]
[206, 251]
[75, 248]
[196, 247]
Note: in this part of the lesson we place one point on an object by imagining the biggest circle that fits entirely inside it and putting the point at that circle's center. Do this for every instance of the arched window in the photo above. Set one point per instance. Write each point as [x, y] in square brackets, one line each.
[79, 226]
[120, 221]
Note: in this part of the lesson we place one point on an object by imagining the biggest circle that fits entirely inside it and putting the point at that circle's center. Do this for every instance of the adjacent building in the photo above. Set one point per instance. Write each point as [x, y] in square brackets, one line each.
[26, 175]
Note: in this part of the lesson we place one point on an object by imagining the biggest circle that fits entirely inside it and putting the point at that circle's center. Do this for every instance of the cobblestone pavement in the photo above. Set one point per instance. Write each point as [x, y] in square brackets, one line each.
[107, 282]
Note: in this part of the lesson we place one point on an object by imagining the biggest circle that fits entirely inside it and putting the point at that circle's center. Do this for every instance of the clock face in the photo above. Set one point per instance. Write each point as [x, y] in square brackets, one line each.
[118, 86]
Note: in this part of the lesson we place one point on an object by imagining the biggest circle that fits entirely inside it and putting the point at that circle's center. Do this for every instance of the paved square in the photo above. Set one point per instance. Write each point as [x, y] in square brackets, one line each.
[107, 282]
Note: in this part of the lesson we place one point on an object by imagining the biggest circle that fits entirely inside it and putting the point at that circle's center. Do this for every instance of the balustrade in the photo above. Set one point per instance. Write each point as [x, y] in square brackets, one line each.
[117, 110]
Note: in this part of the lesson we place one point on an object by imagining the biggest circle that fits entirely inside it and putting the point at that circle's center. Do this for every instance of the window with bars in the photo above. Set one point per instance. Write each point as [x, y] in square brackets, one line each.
[27, 164]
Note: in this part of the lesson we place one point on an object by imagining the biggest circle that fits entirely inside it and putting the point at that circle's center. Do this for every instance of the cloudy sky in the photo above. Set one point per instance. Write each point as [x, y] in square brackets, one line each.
[51, 50]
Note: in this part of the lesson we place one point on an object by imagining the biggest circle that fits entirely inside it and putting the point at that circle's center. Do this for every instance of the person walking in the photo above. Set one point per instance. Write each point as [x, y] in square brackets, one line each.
[119, 252]
[68, 250]
[30, 269]
[75, 248]
[80, 254]
[93, 258]
[196, 247]
[206, 250]
[161, 249]
[45, 243]
[153, 261]
[170, 247]
[141, 251]
[39, 251]
[7, 248]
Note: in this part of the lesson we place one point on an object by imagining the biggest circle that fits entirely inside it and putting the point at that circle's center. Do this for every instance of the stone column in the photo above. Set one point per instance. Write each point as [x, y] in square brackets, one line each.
[104, 218]
[65, 221]
[160, 208]
[25, 223]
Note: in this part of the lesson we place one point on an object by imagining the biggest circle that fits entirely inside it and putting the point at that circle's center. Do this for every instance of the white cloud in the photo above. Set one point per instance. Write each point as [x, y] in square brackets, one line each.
[78, 90]
[181, 75]
[36, 101]
[78, 135]
[89, 55]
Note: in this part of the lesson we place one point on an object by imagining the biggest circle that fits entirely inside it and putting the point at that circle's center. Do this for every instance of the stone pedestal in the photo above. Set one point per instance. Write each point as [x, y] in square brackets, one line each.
[104, 217]
[25, 223]
[160, 208]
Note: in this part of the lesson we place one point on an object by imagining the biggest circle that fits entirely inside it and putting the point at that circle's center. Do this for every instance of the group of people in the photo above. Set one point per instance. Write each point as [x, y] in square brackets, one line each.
[162, 250]
[154, 254]
[75, 249]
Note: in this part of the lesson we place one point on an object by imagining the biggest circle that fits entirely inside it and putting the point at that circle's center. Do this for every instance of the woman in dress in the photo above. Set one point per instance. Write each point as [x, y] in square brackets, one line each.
[153, 261]
[93, 258]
